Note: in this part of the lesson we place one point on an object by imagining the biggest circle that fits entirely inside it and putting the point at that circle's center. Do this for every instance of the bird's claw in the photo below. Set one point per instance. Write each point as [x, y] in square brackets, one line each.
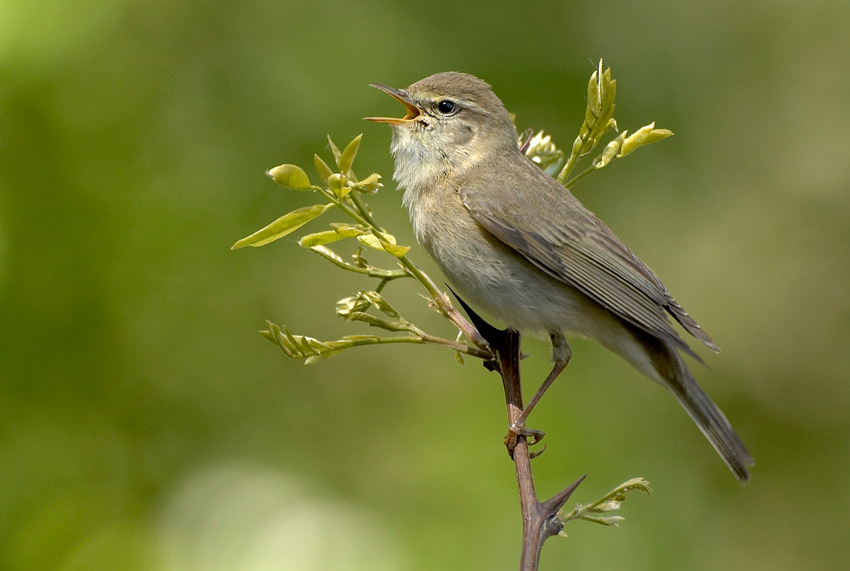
[532, 435]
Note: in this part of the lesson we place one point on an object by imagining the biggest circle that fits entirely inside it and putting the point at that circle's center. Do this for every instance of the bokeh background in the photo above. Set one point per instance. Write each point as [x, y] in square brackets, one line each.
[146, 425]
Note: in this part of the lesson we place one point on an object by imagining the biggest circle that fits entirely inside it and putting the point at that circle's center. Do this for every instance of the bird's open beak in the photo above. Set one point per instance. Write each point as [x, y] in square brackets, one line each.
[413, 112]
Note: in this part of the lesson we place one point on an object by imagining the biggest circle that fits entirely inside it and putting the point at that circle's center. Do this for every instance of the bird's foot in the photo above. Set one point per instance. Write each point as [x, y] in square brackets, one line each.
[517, 430]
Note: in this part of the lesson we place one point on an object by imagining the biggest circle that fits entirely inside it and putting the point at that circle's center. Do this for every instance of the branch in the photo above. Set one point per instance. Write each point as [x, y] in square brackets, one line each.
[540, 520]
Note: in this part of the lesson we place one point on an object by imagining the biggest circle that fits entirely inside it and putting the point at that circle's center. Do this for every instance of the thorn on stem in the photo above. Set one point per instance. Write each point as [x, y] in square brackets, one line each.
[557, 501]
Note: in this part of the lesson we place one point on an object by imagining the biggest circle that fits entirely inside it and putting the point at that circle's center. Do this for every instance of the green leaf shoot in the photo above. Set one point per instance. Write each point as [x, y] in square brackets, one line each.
[290, 176]
[347, 157]
[283, 226]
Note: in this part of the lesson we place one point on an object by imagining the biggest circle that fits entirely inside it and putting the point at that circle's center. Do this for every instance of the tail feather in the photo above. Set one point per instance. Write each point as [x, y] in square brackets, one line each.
[674, 374]
[712, 422]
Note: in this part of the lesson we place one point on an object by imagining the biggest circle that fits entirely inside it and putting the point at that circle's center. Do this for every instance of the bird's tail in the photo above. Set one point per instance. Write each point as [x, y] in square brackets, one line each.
[699, 406]
[661, 362]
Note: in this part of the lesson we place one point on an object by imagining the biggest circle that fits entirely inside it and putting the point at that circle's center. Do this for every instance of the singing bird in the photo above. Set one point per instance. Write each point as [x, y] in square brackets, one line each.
[520, 247]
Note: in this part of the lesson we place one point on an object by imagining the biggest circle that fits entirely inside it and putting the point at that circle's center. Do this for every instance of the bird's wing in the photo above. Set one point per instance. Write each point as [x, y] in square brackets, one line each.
[553, 231]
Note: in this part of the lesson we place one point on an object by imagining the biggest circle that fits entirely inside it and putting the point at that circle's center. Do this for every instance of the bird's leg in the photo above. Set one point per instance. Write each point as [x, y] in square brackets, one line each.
[561, 355]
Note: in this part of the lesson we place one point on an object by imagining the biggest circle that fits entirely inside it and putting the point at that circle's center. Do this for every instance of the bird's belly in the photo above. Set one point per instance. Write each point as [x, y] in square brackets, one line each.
[498, 281]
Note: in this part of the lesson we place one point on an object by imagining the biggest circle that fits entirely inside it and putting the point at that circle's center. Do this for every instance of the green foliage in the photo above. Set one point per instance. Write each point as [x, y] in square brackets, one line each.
[290, 176]
[598, 120]
[342, 190]
[313, 350]
[283, 226]
[608, 503]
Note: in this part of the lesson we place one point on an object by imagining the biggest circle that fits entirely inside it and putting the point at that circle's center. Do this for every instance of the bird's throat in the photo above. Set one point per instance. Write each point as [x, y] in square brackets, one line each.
[417, 163]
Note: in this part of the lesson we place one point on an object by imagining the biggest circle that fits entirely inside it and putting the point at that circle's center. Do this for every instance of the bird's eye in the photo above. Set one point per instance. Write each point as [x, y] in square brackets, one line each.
[446, 106]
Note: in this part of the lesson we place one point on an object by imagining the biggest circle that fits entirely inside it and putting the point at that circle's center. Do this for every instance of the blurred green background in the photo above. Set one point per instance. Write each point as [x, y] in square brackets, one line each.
[145, 423]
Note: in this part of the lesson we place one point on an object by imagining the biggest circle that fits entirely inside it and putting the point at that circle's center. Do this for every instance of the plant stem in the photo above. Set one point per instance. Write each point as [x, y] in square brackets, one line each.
[539, 519]
[579, 176]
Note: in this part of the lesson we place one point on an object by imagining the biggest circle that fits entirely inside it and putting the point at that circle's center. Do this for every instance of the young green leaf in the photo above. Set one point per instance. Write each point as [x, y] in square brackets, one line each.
[610, 152]
[290, 176]
[335, 150]
[369, 185]
[283, 226]
[348, 230]
[397, 251]
[316, 358]
[643, 136]
[348, 305]
[379, 302]
[371, 241]
[339, 185]
[606, 504]
[347, 158]
[387, 244]
[322, 169]
[319, 238]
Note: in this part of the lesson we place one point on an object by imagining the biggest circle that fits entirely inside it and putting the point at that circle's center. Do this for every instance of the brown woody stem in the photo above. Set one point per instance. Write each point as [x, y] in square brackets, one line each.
[539, 519]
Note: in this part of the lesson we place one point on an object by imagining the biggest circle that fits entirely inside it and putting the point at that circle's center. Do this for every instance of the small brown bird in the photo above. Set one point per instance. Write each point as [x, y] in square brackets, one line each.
[518, 246]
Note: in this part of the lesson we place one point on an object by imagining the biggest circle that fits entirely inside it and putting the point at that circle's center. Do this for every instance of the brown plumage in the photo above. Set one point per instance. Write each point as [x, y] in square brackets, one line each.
[518, 246]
